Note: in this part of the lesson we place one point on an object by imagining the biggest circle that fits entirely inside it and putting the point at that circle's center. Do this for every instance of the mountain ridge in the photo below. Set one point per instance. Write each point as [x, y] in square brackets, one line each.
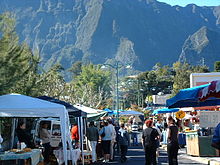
[138, 32]
[201, 47]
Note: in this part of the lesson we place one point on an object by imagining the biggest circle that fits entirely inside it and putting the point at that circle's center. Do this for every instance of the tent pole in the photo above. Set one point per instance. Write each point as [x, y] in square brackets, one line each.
[64, 126]
[14, 124]
[82, 139]
[70, 142]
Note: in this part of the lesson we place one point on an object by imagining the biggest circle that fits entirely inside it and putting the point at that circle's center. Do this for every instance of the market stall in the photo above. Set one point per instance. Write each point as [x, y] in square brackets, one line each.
[189, 98]
[181, 135]
[201, 138]
[16, 105]
[75, 113]
[164, 110]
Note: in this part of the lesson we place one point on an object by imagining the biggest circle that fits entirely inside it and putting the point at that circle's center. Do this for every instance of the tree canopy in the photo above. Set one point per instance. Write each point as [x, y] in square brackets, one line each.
[16, 60]
[91, 87]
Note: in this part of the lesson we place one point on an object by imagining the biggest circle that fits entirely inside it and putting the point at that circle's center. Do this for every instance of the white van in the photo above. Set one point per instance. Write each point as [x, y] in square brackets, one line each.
[53, 128]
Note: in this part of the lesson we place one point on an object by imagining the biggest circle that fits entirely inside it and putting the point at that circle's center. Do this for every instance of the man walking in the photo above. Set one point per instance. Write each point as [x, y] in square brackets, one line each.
[134, 133]
[150, 137]
[93, 136]
[123, 139]
[113, 139]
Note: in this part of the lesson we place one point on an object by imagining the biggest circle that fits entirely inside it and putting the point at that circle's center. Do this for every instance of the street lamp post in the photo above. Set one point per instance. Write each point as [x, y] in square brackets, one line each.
[140, 90]
[117, 66]
[117, 92]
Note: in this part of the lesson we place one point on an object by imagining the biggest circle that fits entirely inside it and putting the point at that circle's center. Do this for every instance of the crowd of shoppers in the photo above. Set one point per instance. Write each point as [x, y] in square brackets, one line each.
[109, 136]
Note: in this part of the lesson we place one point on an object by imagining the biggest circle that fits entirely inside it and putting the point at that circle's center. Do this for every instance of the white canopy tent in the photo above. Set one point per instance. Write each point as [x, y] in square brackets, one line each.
[85, 108]
[16, 105]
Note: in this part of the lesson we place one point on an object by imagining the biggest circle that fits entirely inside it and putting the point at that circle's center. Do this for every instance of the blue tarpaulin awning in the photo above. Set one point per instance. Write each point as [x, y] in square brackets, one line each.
[189, 98]
[113, 112]
[108, 110]
[129, 112]
[165, 110]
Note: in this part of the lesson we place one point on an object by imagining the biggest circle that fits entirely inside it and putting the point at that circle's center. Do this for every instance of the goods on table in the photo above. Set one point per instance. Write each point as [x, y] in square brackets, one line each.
[27, 150]
[18, 151]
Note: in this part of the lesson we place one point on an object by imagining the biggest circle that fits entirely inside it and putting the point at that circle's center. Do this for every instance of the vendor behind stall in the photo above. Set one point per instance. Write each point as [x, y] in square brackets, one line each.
[188, 125]
[22, 135]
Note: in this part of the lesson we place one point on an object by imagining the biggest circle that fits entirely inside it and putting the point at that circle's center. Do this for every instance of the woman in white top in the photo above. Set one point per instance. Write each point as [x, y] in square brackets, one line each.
[106, 136]
[45, 137]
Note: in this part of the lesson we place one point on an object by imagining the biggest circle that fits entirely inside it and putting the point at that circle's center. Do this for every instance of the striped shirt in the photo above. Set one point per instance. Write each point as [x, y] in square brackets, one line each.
[134, 128]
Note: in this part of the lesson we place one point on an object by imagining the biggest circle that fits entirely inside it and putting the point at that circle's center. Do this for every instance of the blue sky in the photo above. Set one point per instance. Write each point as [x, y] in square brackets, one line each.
[197, 2]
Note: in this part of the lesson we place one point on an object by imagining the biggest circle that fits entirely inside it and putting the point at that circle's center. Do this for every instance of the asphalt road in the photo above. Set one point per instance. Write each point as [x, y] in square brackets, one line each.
[136, 157]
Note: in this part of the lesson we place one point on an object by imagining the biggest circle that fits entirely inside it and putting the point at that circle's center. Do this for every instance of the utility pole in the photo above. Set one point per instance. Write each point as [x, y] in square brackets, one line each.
[117, 66]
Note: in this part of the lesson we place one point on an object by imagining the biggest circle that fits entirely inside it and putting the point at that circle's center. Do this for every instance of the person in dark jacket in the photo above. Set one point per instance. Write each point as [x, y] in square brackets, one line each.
[150, 137]
[117, 127]
[172, 142]
[92, 134]
[22, 135]
[123, 140]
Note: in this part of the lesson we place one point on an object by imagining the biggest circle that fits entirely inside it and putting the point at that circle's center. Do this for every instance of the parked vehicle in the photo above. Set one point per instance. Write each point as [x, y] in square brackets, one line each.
[53, 128]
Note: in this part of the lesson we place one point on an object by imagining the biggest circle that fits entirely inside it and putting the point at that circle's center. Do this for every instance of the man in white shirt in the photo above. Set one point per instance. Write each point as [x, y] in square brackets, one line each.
[113, 139]
[134, 133]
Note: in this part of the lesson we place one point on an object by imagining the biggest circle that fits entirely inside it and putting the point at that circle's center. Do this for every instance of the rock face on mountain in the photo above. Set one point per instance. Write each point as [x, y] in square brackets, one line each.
[138, 32]
[203, 47]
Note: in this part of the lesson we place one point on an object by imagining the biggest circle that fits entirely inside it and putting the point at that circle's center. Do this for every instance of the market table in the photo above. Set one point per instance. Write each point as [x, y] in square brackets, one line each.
[199, 145]
[59, 155]
[34, 155]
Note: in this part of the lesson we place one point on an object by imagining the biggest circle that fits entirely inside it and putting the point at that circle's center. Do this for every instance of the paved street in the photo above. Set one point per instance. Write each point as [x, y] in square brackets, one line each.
[136, 157]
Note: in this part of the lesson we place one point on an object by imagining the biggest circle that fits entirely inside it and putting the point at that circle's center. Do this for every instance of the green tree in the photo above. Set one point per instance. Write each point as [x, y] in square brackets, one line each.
[160, 79]
[16, 60]
[217, 66]
[91, 87]
[182, 75]
[138, 88]
[52, 83]
[28, 84]
[76, 68]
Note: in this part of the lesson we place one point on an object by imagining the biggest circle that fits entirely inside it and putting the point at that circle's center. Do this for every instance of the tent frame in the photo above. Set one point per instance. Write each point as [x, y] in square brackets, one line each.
[16, 105]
